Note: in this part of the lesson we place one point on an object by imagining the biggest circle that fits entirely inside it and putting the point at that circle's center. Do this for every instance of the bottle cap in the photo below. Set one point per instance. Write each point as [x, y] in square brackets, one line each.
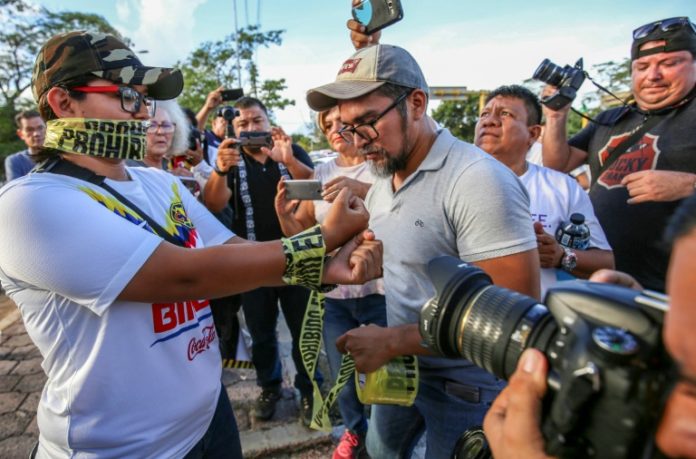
[577, 218]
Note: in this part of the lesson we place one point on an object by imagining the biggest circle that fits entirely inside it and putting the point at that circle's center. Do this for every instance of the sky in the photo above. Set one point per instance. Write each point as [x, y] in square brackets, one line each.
[479, 45]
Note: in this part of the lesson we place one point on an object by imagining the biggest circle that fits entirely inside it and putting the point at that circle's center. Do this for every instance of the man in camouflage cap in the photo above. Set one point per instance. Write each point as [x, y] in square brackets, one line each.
[95, 255]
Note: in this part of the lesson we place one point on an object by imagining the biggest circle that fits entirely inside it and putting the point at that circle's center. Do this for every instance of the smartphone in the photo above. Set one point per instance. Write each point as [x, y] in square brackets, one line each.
[255, 139]
[377, 14]
[232, 94]
[306, 190]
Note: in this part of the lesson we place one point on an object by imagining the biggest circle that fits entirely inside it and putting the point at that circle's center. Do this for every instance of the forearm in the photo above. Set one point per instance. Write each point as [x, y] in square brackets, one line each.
[556, 152]
[589, 261]
[174, 273]
[216, 193]
[202, 116]
[406, 340]
[299, 170]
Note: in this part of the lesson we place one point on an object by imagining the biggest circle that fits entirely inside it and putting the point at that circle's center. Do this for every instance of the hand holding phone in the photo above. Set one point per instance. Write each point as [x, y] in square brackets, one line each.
[377, 14]
[232, 94]
[304, 190]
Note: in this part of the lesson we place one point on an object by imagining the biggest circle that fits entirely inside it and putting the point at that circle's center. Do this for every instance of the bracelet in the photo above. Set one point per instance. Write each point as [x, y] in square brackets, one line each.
[304, 258]
[220, 172]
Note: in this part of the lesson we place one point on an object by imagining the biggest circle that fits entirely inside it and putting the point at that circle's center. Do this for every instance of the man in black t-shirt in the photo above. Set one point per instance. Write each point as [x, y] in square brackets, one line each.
[634, 194]
[247, 179]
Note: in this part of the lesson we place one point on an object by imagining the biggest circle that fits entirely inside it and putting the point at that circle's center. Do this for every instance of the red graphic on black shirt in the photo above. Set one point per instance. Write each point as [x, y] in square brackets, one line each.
[641, 157]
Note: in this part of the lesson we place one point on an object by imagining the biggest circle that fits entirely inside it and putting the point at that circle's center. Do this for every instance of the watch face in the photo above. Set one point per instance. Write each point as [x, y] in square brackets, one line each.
[569, 261]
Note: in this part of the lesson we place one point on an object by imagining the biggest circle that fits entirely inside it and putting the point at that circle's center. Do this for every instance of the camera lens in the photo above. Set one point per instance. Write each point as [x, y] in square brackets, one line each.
[550, 73]
[472, 445]
[470, 317]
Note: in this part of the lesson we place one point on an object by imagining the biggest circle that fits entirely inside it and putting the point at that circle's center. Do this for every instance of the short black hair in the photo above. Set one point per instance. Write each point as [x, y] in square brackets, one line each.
[25, 115]
[248, 102]
[531, 101]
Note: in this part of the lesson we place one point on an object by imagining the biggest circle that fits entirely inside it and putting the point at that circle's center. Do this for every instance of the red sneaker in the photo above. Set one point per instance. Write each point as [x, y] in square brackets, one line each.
[350, 446]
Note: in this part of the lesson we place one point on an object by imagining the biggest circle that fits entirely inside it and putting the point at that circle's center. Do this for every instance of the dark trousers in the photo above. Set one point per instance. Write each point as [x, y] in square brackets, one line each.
[261, 313]
[221, 440]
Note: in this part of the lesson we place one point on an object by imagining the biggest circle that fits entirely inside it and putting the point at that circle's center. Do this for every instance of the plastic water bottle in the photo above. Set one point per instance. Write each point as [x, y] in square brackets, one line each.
[575, 234]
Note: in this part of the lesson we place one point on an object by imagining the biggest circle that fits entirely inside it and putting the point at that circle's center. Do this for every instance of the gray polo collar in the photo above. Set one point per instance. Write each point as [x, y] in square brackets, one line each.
[438, 152]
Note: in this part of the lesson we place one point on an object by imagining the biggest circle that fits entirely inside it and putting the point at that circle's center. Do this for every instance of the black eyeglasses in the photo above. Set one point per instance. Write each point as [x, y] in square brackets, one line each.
[368, 131]
[131, 100]
[666, 25]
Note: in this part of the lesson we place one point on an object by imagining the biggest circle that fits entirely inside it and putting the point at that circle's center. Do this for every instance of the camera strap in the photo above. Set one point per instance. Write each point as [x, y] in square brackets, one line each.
[631, 140]
[58, 165]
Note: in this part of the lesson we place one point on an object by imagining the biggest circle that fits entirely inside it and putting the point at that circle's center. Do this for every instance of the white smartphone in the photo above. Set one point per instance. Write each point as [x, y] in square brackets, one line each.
[306, 190]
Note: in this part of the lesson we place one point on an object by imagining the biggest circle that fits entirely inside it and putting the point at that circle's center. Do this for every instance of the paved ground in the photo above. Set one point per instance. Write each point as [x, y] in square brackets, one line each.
[22, 379]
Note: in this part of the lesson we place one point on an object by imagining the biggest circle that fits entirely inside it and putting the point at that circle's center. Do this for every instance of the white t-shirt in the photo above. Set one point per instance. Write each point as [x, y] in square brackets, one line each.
[553, 197]
[125, 379]
[325, 172]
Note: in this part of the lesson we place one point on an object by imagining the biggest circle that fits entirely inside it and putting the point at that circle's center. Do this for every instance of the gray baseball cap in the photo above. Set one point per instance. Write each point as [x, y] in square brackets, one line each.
[366, 70]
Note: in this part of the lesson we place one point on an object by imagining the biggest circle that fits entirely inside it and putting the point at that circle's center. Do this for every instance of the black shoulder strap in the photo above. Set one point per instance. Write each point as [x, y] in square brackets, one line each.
[631, 140]
[58, 165]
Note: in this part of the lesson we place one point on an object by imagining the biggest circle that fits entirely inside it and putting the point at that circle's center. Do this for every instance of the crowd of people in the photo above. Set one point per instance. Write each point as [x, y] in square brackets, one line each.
[128, 318]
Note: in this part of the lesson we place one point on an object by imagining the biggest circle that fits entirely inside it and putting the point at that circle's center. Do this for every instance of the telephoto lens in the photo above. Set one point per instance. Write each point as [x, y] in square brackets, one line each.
[550, 73]
[609, 373]
[483, 323]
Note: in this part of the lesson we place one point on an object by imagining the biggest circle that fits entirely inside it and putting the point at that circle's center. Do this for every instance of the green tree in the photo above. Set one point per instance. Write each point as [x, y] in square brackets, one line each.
[459, 116]
[220, 63]
[25, 28]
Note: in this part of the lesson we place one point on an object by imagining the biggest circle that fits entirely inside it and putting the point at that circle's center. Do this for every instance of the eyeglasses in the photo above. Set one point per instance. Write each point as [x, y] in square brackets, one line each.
[368, 131]
[165, 127]
[666, 25]
[131, 100]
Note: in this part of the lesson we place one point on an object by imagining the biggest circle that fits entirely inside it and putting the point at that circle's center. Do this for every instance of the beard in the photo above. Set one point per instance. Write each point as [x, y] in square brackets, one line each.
[390, 164]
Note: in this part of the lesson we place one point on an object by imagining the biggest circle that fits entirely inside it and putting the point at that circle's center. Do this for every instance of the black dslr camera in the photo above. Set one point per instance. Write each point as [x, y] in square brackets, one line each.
[567, 79]
[609, 374]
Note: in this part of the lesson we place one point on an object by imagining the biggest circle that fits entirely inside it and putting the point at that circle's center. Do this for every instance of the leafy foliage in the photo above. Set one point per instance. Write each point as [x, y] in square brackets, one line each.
[221, 63]
[25, 28]
[459, 116]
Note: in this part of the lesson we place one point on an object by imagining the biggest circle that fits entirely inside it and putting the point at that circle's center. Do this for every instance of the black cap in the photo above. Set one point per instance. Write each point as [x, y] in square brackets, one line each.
[679, 34]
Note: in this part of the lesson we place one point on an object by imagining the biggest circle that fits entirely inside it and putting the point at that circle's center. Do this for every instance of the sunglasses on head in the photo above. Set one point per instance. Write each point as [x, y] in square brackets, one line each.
[665, 25]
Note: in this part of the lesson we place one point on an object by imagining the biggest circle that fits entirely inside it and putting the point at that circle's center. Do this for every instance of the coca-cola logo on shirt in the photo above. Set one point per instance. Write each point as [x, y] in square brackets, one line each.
[199, 345]
[642, 156]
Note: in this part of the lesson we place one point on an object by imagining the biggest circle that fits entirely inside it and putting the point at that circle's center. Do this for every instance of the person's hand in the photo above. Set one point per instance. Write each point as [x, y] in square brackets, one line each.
[550, 251]
[368, 345]
[214, 98]
[228, 155]
[610, 276]
[512, 423]
[357, 33]
[652, 185]
[181, 172]
[194, 157]
[346, 217]
[358, 261]
[331, 188]
[284, 207]
[282, 147]
[676, 435]
[549, 113]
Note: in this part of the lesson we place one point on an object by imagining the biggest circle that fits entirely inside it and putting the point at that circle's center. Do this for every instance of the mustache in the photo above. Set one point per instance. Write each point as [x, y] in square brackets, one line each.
[371, 150]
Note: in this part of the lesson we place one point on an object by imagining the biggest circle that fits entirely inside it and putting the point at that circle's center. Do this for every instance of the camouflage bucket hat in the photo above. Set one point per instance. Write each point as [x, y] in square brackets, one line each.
[70, 55]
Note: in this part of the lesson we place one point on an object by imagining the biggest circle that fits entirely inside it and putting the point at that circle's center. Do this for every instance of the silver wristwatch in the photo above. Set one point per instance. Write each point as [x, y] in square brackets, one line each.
[569, 260]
